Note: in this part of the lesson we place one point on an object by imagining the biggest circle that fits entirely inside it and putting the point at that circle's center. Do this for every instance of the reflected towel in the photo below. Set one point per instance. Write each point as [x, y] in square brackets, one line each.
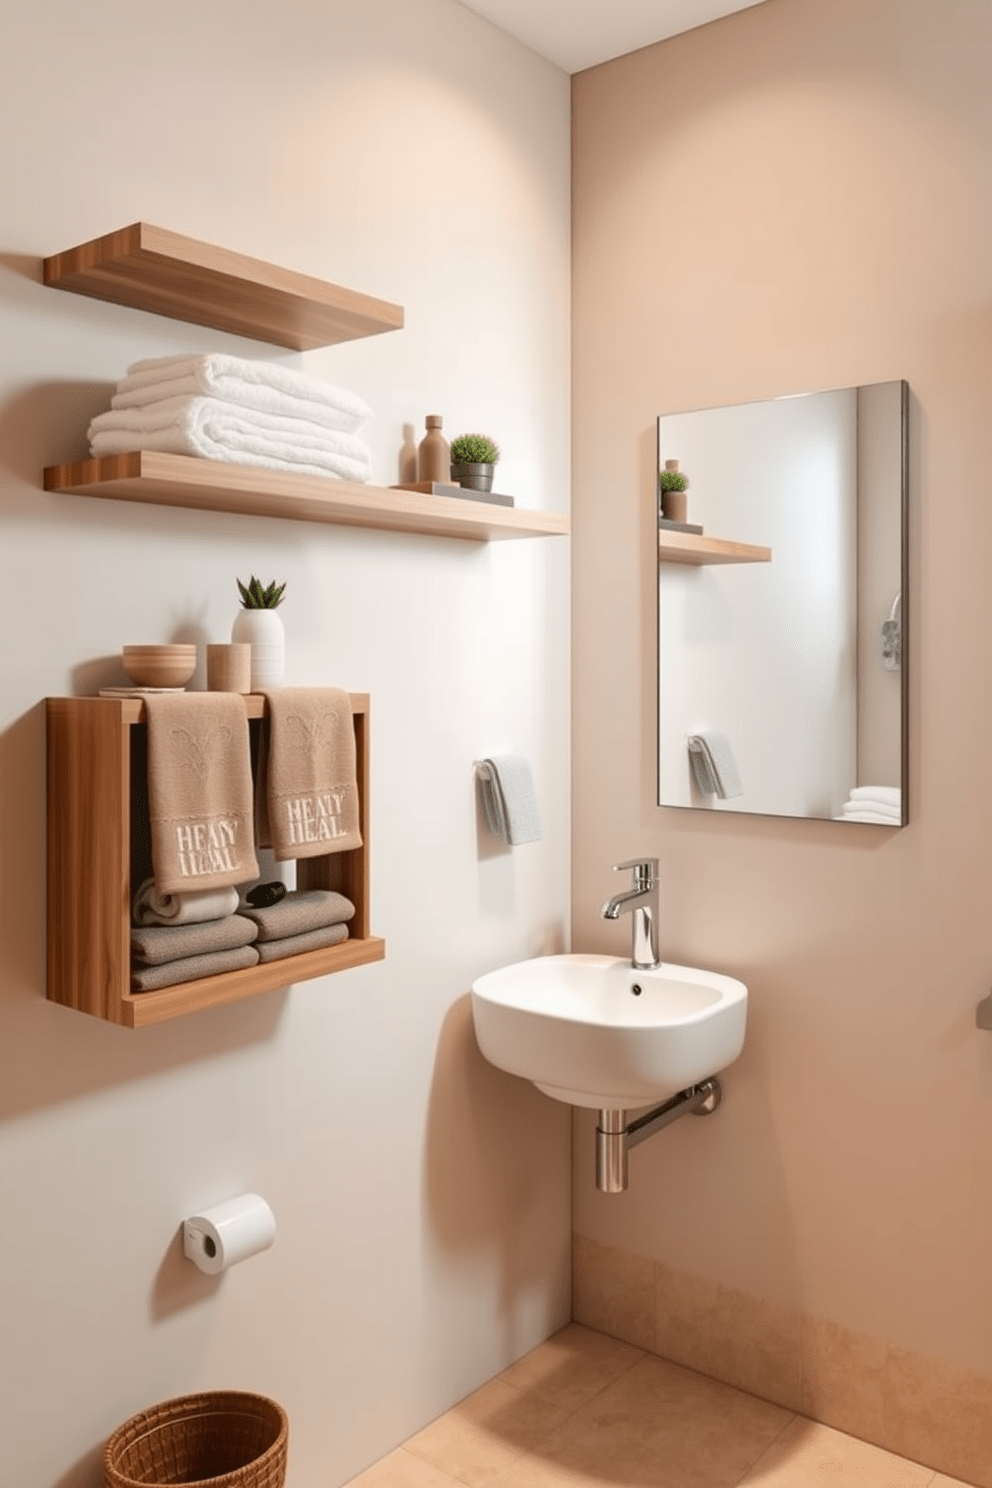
[301, 911]
[155, 944]
[152, 908]
[714, 766]
[509, 799]
[214, 430]
[295, 945]
[191, 968]
[267, 387]
[886, 795]
[878, 817]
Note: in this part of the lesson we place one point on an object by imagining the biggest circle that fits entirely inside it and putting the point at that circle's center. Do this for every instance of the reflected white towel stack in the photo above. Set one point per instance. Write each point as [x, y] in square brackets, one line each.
[881, 804]
[222, 407]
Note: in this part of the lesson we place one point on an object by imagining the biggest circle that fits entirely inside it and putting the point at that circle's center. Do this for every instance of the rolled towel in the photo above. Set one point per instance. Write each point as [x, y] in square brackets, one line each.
[149, 907]
[295, 945]
[714, 766]
[509, 799]
[155, 944]
[301, 911]
[265, 386]
[214, 430]
[191, 968]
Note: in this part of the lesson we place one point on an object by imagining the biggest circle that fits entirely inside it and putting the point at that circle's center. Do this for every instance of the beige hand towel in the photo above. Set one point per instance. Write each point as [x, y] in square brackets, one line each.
[301, 911]
[156, 944]
[295, 945]
[199, 791]
[191, 968]
[307, 796]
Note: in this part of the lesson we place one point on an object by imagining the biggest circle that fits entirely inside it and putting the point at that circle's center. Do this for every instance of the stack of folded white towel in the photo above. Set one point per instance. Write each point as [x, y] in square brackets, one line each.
[229, 408]
[874, 803]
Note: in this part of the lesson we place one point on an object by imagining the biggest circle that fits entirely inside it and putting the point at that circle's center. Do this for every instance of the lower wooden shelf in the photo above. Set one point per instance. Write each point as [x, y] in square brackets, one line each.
[93, 744]
[216, 485]
[693, 547]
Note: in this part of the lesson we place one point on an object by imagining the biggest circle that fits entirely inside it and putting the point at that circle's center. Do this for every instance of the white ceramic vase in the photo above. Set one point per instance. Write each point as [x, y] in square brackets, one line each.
[263, 631]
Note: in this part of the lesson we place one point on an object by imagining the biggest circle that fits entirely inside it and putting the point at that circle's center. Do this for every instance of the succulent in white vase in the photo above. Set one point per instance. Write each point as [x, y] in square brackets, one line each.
[260, 625]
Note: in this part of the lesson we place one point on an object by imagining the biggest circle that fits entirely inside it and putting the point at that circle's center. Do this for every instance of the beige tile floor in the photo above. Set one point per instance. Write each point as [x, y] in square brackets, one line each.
[587, 1411]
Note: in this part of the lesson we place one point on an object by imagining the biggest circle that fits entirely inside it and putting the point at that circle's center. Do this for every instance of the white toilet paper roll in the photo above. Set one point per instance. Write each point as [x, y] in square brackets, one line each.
[227, 1233]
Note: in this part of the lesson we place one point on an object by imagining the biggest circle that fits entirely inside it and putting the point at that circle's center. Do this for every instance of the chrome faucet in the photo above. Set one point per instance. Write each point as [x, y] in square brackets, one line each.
[641, 902]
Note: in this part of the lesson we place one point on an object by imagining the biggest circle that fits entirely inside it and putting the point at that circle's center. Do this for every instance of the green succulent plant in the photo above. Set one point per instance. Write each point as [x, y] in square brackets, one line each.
[474, 449]
[258, 596]
[672, 480]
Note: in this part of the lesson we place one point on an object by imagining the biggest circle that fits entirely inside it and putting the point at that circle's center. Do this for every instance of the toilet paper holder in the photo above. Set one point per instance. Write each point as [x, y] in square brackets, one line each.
[219, 1237]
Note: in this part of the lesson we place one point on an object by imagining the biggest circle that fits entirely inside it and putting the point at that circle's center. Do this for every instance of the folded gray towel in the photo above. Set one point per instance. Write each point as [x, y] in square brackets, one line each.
[190, 968]
[295, 945]
[508, 798]
[157, 944]
[300, 911]
[714, 766]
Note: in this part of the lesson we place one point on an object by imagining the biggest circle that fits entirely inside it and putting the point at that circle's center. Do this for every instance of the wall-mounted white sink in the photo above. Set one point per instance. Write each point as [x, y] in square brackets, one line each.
[592, 1031]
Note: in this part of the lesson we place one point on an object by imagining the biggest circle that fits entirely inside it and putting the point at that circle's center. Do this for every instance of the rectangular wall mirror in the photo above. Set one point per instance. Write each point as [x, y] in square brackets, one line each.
[783, 607]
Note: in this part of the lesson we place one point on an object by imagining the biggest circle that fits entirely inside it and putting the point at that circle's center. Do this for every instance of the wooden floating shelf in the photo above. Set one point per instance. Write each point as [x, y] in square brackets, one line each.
[692, 547]
[150, 268]
[90, 805]
[215, 485]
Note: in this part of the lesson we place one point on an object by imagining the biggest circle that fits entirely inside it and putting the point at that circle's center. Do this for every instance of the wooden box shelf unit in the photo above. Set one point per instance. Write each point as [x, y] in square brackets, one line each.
[150, 268]
[693, 547]
[214, 485]
[91, 744]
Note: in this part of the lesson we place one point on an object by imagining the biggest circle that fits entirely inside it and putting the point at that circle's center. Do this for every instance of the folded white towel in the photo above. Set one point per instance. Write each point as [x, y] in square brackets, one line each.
[714, 766]
[508, 798]
[150, 907]
[889, 795]
[878, 817]
[265, 386]
[219, 431]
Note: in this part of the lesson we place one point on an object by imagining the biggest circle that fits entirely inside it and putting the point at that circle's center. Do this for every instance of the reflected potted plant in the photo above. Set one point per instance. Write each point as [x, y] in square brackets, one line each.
[473, 461]
[672, 486]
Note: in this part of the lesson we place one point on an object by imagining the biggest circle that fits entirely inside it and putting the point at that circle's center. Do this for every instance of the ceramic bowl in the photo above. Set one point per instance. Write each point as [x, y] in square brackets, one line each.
[159, 666]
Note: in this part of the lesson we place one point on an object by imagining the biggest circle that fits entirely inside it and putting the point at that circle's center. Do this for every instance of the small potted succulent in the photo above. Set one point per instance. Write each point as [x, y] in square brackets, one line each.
[473, 461]
[259, 624]
[672, 486]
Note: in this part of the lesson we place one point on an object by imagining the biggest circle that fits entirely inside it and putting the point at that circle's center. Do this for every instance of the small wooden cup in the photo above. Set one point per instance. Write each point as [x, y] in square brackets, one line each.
[229, 668]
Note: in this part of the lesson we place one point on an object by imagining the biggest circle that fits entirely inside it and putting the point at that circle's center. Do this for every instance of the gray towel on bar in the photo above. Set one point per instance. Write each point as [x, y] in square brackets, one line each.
[156, 944]
[191, 968]
[714, 766]
[301, 911]
[295, 945]
[508, 798]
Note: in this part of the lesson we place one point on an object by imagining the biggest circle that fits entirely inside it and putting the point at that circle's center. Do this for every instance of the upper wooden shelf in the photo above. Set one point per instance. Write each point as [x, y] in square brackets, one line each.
[150, 268]
[214, 485]
[693, 547]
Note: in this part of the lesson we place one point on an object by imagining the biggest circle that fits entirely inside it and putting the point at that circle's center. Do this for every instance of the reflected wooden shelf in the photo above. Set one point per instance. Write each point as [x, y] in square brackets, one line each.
[215, 485]
[92, 743]
[150, 268]
[693, 547]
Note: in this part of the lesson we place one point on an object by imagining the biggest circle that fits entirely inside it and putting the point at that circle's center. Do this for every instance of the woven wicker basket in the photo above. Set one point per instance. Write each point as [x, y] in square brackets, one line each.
[223, 1438]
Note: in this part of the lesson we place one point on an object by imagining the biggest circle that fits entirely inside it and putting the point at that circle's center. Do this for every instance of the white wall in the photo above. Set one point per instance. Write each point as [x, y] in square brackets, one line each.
[422, 1198]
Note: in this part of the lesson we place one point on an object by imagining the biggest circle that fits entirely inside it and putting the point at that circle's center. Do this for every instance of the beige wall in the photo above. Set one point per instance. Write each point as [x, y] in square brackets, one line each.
[794, 198]
[422, 1199]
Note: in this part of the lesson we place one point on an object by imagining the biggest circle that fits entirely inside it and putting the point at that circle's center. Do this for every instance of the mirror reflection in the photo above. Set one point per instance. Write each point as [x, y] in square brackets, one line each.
[782, 606]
